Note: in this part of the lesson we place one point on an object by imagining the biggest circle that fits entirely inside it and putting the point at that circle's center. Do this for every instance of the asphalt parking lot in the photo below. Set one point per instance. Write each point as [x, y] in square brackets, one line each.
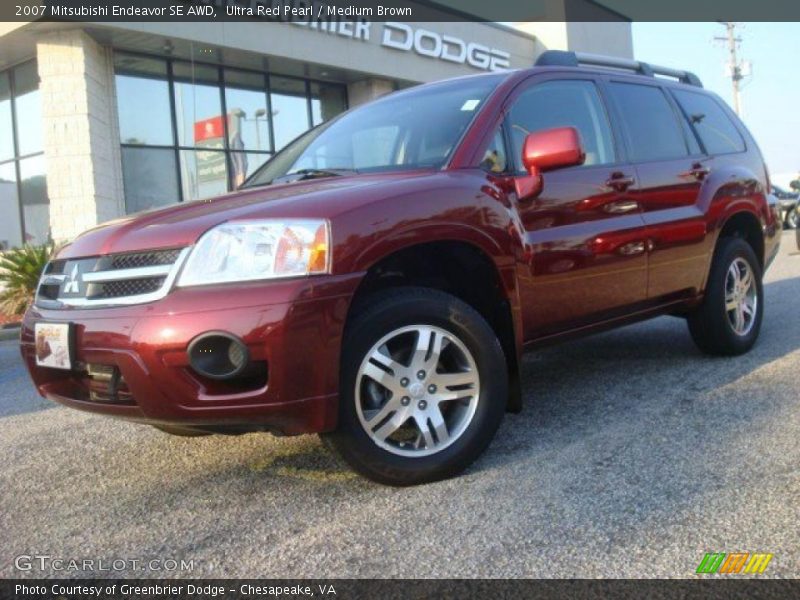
[634, 456]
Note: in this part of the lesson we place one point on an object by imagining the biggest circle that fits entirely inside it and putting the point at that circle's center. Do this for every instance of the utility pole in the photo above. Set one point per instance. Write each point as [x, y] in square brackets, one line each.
[735, 67]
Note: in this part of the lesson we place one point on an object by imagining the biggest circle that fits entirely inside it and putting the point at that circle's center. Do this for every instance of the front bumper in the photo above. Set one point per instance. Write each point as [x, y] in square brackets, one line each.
[292, 328]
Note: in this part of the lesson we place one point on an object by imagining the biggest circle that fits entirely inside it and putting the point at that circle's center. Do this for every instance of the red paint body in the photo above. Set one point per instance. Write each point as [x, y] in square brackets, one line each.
[568, 262]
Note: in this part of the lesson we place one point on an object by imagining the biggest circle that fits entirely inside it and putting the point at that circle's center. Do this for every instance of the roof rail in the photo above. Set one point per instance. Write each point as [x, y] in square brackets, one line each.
[563, 58]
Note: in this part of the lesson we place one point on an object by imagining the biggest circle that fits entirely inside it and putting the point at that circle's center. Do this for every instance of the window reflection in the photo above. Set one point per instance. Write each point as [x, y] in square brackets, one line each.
[6, 132]
[23, 200]
[244, 164]
[246, 102]
[203, 174]
[35, 203]
[289, 109]
[150, 177]
[218, 127]
[198, 107]
[10, 226]
[144, 111]
[28, 106]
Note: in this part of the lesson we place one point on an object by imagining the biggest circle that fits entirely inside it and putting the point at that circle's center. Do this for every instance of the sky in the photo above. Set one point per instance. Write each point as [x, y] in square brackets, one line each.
[770, 98]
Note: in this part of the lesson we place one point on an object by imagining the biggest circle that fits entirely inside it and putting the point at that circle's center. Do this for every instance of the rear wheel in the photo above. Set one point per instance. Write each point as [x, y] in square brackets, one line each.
[424, 386]
[792, 219]
[729, 319]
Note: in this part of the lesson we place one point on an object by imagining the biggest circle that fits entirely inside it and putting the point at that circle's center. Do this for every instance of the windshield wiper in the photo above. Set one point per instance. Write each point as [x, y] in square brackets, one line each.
[303, 174]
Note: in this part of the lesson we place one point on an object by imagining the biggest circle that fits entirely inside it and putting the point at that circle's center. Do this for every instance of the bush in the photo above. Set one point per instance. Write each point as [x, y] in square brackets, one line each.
[20, 270]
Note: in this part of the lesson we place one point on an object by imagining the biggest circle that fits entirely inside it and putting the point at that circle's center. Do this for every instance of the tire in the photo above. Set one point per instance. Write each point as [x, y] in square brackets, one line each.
[380, 433]
[180, 431]
[713, 326]
[792, 219]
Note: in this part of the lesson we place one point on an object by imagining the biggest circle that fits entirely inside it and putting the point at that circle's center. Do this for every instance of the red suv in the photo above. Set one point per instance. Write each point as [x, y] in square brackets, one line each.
[377, 281]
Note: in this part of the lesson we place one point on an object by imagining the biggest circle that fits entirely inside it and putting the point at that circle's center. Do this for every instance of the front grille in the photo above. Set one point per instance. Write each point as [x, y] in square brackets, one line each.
[114, 279]
[55, 267]
[144, 259]
[126, 287]
[49, 291]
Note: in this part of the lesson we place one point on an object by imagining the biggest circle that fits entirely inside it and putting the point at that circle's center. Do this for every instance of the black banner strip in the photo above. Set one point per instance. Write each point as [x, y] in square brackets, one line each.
[345, 589]
[399, 10]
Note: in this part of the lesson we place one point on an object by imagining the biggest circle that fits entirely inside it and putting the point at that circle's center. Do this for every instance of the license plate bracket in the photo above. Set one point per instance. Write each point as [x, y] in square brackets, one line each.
[54, 345]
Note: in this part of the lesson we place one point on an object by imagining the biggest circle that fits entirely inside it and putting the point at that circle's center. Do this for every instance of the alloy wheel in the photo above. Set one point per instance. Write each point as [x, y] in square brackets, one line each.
[741, 297]
[417, 390]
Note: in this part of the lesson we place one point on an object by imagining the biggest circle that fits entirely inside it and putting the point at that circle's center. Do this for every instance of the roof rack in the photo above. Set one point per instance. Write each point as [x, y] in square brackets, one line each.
[563, 58]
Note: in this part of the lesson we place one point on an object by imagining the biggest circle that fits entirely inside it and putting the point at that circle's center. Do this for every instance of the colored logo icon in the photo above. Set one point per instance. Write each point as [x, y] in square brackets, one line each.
[736, 562]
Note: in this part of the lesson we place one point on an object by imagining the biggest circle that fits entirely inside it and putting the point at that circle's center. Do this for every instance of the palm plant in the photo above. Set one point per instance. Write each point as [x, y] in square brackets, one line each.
[20, 270]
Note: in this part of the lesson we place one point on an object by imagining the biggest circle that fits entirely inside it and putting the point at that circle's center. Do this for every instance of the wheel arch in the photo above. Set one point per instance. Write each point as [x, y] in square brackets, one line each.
[461, 266]
[744, 222]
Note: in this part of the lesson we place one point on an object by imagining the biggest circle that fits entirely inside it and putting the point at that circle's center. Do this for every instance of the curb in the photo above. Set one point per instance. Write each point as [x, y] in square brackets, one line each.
[9, 333]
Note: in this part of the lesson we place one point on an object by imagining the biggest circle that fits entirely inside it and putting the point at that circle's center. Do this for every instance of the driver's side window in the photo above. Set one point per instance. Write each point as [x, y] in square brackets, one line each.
[567, 103]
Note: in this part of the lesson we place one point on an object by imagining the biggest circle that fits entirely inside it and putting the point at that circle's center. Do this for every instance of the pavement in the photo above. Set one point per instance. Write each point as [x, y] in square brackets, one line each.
[634, 455]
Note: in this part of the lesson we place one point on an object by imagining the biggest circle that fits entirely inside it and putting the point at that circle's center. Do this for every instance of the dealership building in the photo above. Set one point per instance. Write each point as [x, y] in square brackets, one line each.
[103, 119]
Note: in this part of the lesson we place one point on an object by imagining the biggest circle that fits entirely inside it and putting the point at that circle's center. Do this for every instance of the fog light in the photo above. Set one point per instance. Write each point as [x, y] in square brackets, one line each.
[218, 355]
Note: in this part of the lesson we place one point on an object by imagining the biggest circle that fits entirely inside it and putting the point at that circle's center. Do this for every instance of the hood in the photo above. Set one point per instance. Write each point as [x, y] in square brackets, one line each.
[182, 224]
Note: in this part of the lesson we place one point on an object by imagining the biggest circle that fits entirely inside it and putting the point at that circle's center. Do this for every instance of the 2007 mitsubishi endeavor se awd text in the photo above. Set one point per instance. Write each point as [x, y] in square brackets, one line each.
[377, 280]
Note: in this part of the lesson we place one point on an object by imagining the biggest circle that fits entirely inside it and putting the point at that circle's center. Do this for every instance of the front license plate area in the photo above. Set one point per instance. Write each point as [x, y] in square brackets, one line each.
[53, 345]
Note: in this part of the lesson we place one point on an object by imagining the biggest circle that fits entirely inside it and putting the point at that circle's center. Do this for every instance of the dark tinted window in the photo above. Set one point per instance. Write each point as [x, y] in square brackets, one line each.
[649, 122]
[563, 104]
[717, 132]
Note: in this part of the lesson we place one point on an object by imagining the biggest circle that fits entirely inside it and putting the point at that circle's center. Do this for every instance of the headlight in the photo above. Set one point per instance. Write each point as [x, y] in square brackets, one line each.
[264, 249]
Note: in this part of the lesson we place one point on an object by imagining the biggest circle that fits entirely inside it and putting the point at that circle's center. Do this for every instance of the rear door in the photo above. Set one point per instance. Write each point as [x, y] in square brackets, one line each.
[670, 170]
[585, 238]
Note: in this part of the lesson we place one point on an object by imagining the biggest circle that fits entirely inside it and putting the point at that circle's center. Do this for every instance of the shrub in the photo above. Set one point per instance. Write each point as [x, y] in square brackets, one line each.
[20, 270]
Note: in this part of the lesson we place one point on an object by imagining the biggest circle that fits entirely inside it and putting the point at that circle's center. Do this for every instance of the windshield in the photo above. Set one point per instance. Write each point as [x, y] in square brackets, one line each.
[411, 129]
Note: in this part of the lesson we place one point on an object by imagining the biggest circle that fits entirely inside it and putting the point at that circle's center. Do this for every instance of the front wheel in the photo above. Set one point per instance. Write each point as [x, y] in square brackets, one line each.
[424, 386]
[729, 319]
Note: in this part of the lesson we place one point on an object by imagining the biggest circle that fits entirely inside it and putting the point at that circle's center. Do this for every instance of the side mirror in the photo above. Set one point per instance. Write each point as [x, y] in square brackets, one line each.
[544, 151]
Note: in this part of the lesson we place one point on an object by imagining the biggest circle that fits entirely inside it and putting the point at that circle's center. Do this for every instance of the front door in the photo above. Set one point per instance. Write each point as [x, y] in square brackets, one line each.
[585, 239]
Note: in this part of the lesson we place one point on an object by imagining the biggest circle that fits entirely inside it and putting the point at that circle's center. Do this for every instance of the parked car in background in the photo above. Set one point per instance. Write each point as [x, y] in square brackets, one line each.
[378, 279]
[788, 203]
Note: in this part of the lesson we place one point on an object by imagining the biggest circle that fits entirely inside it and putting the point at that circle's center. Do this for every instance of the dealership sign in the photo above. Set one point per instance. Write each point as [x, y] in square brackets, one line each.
[416, 40]
[445, 47]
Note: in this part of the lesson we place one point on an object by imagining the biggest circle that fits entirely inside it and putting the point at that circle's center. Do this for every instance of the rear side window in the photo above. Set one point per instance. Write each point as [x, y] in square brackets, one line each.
[715, 129]
[650, 124]
[563, 104]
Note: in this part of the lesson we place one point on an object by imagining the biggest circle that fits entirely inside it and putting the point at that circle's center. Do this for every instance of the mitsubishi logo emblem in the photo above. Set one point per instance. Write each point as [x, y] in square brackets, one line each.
[73, 283]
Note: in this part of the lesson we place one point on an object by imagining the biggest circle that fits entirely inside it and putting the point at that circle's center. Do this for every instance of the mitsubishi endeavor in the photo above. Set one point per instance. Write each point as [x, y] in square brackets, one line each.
[377, 281]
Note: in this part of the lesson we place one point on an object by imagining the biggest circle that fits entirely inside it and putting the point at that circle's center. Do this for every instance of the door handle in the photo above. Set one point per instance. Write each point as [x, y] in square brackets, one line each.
[699, 171]
[619, 181]
[624, 206]
[632, 248]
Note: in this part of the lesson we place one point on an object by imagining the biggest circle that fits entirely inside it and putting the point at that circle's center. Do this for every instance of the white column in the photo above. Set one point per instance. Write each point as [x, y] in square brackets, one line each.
[81, 133]
[367, 89]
